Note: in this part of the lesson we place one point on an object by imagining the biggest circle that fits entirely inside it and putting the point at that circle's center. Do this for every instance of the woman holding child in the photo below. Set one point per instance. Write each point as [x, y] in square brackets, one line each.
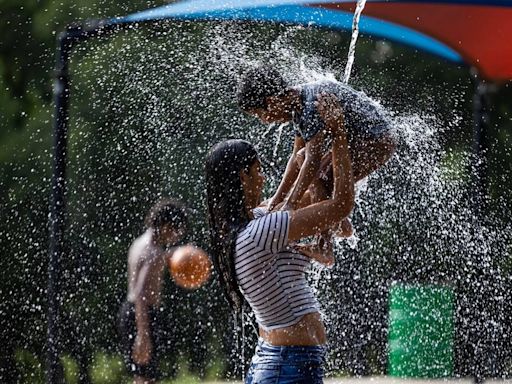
[258, 262]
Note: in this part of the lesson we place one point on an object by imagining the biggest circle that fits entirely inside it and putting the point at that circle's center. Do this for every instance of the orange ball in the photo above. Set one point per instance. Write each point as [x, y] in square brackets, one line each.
[190, 267]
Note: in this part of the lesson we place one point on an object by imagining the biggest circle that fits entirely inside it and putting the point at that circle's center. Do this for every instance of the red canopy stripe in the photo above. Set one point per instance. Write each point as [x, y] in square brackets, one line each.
[480, 33]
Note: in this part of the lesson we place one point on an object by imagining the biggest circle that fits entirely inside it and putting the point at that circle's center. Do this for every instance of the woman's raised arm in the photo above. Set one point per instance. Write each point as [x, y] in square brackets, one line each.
[321, 216]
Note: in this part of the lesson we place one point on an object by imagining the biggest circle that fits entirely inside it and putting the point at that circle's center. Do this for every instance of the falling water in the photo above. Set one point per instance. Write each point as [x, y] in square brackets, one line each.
[354, 238]
[278, 140]
[355, 32]
[145, 112]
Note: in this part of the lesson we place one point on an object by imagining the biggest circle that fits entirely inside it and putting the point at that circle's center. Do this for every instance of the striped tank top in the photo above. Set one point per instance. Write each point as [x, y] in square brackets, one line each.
[270, 275]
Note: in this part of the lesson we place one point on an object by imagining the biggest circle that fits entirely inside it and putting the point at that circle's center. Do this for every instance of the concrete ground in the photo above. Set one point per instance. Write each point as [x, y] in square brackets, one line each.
[393, 380]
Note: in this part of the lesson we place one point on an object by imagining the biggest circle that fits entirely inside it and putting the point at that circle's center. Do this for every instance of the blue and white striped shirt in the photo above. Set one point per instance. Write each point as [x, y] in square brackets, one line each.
[270, 275]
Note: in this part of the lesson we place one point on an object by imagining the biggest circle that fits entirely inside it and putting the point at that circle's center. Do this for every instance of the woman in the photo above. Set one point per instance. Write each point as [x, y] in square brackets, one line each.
[255, 258]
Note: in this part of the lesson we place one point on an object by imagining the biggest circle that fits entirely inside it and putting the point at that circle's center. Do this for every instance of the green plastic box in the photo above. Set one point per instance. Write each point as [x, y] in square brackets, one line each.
[420, 335]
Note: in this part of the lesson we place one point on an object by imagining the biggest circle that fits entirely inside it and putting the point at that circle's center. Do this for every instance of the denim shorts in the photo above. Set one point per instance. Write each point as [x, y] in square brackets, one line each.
[286, 365]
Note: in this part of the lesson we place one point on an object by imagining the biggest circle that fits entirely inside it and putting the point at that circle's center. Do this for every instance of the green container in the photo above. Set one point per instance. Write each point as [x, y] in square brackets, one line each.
[420, 336]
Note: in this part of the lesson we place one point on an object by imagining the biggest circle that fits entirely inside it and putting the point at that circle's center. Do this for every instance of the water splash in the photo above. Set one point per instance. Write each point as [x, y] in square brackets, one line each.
[145, 112]
[355, 33]
[278, 139]
[353, 240]
[413, 219]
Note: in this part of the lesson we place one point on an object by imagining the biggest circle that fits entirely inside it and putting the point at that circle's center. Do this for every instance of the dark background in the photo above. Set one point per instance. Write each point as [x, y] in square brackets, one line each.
[147, 104]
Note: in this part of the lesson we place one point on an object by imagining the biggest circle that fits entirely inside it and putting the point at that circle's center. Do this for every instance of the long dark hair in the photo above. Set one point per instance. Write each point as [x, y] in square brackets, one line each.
[227, 212]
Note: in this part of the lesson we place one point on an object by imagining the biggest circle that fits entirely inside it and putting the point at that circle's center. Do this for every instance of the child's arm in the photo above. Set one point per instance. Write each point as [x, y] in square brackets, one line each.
[290, 174]
[308, 170]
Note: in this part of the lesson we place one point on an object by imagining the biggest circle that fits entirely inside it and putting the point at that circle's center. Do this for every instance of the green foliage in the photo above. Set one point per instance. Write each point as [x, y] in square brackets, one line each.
[31, 368]
[106, 369]
[455, 167]
[71, 370]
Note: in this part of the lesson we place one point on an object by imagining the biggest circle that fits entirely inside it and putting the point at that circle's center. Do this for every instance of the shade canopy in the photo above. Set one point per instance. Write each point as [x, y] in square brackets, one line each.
[474, 32]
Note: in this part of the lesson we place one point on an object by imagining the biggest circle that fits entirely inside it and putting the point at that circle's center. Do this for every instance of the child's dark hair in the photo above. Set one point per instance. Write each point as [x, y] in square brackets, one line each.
[167, 211]
[257, 84]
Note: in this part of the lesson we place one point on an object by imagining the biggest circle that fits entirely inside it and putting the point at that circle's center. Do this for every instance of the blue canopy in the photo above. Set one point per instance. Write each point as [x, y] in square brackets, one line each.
[307, 13]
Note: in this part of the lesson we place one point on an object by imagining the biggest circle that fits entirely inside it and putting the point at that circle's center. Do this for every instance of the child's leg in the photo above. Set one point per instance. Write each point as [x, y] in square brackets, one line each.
[325, 188]
[322, 251]
[368, 155]
[317, 190]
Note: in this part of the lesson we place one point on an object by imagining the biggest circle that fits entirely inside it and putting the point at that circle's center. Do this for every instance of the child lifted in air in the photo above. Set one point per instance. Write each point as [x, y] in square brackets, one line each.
[262, 92]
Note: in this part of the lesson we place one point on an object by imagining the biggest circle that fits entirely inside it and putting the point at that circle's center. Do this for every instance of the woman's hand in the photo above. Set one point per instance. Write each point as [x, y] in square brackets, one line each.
[321, 252]
[322, 216]
[142, 348]
[331, 112]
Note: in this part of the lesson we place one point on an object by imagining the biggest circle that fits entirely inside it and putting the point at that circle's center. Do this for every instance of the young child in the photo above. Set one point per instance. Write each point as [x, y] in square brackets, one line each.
[166, 224]
[262, 92]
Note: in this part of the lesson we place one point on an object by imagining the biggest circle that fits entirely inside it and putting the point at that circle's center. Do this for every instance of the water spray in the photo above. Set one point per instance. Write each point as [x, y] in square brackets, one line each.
[355, 33]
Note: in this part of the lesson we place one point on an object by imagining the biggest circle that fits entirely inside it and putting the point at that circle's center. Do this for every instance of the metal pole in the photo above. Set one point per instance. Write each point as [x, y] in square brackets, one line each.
[480, 146]
[57, 209]
[479, 173]
[65, 42]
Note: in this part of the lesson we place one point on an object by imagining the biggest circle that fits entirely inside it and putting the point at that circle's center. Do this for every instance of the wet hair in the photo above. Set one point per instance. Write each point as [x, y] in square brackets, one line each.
[167, 211]
[257, 84]
[227, 213]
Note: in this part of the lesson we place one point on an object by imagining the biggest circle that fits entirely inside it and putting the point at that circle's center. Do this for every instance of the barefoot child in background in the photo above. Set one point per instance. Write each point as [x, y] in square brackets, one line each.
[166, 224]
[263, 93]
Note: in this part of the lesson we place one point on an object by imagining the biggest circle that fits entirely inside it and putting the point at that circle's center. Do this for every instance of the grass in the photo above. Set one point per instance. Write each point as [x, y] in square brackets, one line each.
[107, 369]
